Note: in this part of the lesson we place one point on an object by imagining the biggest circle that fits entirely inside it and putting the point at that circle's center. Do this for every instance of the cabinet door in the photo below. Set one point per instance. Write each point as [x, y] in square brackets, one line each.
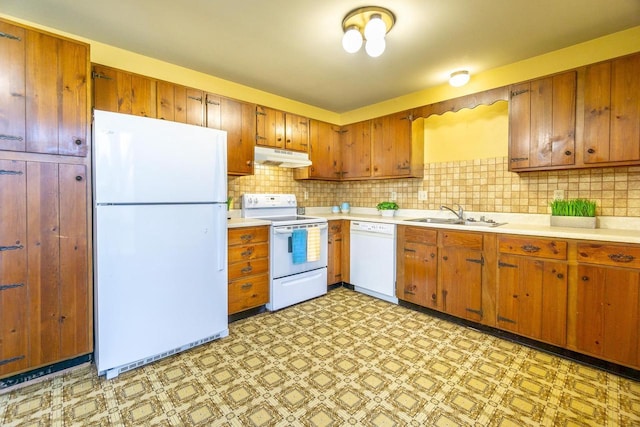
[238, 119]
[56, 103]
[123, 92]
[14, 294]
[324, 150]
[171, 102]
[420, 267]
[355, 147]
[532, 298]
[334, 253]
[542, 122]
[391, 145]
[460, 271]
[296, 132]
[607, 318]
[612, 111]
[213, 111]
[195, 107]
[270, 127]
[12, 88]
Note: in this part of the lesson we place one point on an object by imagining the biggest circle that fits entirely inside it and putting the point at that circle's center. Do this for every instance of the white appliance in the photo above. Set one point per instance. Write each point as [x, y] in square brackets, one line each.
[290, 282]
[160, 239]
[373, 259]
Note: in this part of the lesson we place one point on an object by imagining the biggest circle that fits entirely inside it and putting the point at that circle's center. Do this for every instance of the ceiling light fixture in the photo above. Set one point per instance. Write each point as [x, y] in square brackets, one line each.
[369, 23]
[459, 78]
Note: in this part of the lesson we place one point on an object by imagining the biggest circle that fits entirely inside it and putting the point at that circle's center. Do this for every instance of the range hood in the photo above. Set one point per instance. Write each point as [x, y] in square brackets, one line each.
[282, 158]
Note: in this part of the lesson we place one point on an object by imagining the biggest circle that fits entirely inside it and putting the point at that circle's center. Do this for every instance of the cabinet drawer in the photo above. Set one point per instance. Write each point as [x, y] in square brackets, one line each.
[420, 235]
[247, 252]
[618, 255]
[543, 248]
[248, 293]
[248, 268]
[467, 240]
[244, 235]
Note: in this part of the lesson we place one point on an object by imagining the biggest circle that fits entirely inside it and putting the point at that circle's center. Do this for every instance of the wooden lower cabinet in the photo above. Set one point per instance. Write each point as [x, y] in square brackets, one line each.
[532, 288]
[417, 272]
[248, 262]
[334, 252]
[607, 302]
[45, 296]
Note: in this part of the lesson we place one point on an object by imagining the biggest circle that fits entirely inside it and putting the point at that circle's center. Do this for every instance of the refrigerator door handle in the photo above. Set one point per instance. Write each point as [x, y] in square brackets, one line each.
[221, 230]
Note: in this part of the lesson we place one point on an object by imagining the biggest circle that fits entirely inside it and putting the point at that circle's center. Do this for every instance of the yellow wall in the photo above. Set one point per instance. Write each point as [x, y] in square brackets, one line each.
[606, 47]
[479, 133]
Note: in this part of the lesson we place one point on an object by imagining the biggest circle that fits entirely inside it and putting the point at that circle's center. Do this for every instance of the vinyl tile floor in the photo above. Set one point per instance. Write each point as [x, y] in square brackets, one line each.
[341, 359]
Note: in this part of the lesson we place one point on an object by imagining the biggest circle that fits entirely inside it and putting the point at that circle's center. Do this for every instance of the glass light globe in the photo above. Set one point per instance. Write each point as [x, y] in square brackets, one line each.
[459, 78]
[375, 47]
[375, 28]
[352, 40]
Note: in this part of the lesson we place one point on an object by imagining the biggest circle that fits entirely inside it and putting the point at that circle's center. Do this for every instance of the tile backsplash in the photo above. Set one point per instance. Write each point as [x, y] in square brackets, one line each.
[478, 185]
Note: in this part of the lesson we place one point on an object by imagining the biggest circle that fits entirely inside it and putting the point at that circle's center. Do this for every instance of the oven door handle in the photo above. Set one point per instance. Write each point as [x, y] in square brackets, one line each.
[289, 231]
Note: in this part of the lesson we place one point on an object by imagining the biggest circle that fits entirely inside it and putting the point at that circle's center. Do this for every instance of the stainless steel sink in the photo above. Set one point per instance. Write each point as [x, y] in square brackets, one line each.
[456, 221]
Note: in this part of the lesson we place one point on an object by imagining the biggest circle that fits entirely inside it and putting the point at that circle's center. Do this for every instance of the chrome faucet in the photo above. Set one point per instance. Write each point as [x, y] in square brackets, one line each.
[459, 214]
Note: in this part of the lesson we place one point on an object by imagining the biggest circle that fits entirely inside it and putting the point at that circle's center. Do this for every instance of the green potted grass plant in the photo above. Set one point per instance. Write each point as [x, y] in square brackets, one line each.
[387, 208]
[579, 213]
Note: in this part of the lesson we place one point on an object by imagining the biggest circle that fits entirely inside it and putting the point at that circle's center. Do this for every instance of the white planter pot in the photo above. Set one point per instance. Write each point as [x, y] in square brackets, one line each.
[388, 212]
[573, 221]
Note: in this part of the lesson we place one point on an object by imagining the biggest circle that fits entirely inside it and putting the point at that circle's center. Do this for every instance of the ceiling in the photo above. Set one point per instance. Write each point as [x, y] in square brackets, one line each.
[292, 48]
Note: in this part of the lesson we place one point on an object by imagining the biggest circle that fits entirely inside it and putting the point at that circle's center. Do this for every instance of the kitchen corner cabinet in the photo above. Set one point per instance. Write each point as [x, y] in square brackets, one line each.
[417, 262]
[277, 129]
[355, 146]
[45, 301]
[542, 123]
[248, 263]
[612, 111]
[607, 302]
[324, 152]
[123, 92]
[44, 95]
[335, 249]
[532, 288]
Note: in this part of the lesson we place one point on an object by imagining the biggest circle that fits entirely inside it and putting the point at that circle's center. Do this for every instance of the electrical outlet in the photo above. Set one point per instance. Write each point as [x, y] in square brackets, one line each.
[558, 194]
[394, 196]
[422, 195]
[306, 195]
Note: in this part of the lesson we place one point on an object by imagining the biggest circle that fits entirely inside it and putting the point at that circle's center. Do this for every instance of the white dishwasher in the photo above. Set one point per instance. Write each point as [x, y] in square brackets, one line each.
[373, 259]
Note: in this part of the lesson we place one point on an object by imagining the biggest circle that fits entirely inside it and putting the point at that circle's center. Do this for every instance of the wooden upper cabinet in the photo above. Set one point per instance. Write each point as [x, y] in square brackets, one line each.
[542, 123]
[324, 150]
[213, 110]
[296, 133]
[391, 145]
[355, 144]
[238, 119]
[171, 102]
[43, 93]
[123, 92]
[612, 111]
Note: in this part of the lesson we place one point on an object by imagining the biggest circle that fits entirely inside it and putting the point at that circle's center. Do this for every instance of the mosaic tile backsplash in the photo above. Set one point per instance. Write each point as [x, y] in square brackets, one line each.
[483, 185]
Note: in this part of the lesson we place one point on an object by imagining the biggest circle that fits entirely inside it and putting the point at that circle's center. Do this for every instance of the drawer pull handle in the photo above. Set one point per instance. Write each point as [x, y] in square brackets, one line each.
[585, 278]
[560, 276]
[591, 151]
[247, 253]
[246, 237]
[247, 269]
[621, 257]
[246, 286]
[530, 248]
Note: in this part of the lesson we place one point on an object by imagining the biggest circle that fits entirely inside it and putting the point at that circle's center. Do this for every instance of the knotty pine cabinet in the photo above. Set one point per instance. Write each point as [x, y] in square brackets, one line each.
[324, 152]
[355, 145]
[277, 129]
[248, 263]
[417, 261]
[612, 111]
[44, 95]
[392, 149]
[335, 250]
[123, 92]
[532, 288]
[607, 302]
[45, 297]
[542, 122]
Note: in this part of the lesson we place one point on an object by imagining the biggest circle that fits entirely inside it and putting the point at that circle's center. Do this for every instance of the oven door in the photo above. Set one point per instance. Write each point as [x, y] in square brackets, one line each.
[281, 254]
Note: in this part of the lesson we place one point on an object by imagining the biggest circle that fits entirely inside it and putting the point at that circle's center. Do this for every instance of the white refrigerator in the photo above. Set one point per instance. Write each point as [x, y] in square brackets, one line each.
[160, 235]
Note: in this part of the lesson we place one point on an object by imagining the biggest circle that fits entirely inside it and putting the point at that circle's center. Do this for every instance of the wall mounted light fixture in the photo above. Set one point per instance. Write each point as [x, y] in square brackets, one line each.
[459, 78]
[369, 23]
